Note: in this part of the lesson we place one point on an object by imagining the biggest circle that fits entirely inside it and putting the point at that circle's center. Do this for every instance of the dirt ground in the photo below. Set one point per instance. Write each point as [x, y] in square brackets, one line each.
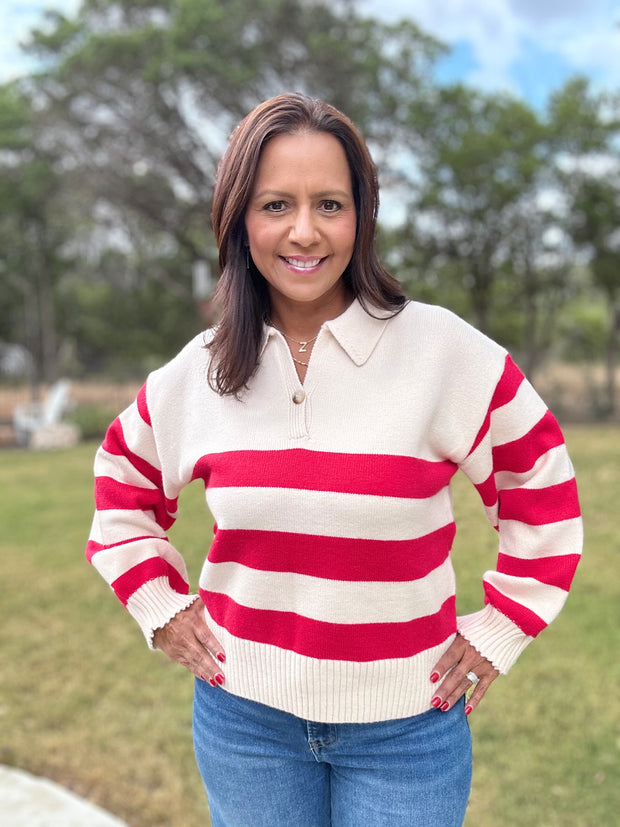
[108, 394]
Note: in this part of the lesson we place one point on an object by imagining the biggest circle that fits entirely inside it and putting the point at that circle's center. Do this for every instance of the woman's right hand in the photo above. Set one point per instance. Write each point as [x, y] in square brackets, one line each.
[187, 639]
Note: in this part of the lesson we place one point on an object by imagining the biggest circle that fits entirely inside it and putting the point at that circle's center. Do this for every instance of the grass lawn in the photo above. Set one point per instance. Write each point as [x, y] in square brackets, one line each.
[84, 702]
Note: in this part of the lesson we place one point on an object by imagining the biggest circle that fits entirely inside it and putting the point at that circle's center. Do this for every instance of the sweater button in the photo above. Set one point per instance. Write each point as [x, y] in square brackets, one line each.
[298, 397]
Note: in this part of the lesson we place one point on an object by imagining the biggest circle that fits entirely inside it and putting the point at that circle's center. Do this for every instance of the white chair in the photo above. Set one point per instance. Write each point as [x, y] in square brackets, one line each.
[27, 419]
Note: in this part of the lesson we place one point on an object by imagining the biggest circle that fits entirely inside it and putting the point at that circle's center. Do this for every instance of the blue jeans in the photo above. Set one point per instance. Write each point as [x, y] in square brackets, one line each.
[266, 768]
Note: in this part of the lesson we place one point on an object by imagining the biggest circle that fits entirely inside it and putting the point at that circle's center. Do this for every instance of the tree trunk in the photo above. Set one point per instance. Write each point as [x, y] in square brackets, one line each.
[530, 338]
[611, 353]
[47, 313]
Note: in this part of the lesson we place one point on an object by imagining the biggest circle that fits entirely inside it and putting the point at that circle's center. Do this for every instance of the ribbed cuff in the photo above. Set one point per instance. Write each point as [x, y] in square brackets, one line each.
[495, 636]
[155, 603]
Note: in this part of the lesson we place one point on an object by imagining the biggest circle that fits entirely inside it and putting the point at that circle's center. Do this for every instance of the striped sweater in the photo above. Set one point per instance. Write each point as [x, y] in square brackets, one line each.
[329, 582]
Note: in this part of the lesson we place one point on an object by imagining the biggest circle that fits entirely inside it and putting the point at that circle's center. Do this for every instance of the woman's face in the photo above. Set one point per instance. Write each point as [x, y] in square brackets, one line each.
[301, 220]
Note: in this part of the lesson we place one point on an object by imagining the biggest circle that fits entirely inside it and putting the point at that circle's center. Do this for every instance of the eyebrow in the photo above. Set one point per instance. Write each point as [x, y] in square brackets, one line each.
[276, 194]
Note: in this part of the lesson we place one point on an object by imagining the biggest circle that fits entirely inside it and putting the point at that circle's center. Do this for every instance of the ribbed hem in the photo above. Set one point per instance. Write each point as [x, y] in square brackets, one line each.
[154, 604]
[495, 636]
[328, 691]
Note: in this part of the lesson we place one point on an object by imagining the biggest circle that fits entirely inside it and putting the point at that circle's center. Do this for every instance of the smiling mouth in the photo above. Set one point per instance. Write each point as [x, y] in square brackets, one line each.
[303, 264]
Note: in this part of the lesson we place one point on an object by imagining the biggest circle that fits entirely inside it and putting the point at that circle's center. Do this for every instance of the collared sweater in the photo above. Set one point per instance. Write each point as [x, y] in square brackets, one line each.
[329, 582]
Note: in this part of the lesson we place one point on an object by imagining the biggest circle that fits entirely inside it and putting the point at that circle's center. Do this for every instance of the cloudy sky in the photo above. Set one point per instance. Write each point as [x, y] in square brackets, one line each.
[526, 46]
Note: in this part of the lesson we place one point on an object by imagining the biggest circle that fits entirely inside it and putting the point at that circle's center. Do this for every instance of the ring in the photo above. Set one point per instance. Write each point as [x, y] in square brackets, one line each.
[472, 678]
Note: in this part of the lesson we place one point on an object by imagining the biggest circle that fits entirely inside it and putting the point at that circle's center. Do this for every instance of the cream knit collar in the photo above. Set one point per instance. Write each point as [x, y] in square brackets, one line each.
[356, 332]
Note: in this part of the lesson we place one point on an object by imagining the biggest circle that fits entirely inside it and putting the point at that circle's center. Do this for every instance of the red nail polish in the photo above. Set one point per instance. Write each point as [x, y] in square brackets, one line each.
[221, 657]
[445, 706]
[219, 678]
[212, 681]
[436, 702]
[435, 677]
[468, 709]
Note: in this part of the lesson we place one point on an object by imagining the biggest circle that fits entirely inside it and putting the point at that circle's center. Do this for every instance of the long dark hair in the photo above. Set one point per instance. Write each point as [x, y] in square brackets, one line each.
[242, 291]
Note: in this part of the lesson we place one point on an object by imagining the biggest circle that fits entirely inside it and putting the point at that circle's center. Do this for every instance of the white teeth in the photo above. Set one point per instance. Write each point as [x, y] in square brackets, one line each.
[303, 264]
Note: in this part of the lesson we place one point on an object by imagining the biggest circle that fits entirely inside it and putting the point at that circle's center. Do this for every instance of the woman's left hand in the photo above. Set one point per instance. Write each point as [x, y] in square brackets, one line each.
[460, 659]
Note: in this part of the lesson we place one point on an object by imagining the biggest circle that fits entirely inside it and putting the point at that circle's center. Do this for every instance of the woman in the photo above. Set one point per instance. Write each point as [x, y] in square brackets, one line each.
[326, 415]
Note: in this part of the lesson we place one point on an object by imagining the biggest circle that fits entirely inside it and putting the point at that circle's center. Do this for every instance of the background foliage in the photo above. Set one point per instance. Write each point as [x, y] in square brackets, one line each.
[507, 215]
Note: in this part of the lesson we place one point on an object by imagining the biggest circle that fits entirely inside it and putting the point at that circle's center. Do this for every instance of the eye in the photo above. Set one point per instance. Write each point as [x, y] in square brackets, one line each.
[329, 205]
[275, 206]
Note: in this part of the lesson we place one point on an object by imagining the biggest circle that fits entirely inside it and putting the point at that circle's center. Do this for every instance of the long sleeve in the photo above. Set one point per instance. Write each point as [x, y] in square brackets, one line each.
[128, 543]
[521, 469]
[328, 582]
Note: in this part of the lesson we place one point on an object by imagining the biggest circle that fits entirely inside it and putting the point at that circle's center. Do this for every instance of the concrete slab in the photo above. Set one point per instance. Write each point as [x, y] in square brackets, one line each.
[29, 801]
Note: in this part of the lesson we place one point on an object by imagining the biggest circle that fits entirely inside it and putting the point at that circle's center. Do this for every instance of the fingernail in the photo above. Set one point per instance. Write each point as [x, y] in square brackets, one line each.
[221, 657]
[202, 678]
[219, 678]
[212, 681]
[445, 706]
[436, 702]
[435, 677]
[469, 708]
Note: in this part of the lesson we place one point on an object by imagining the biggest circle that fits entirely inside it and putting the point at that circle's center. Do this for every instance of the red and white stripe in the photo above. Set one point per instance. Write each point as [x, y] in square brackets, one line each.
[329, 582]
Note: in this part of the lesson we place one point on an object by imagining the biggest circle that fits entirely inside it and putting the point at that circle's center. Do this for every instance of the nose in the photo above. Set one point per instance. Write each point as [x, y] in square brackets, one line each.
[304, 229]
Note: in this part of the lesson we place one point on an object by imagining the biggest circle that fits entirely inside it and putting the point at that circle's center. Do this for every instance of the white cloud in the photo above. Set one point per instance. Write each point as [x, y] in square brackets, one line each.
[17, 19]
[537, 12]
[585, 32]
[584, 35]
[595, 52]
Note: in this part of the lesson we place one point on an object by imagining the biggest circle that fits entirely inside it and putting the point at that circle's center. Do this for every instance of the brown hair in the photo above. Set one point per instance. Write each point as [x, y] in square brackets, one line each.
[242, 291]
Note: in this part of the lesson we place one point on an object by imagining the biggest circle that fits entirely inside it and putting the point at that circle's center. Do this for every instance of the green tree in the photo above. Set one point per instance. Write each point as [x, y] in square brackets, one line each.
[487, 217]
[596, 223]
[586, 127]
[33, 233]
[138, 98]
[476, 165]
[142, 95]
